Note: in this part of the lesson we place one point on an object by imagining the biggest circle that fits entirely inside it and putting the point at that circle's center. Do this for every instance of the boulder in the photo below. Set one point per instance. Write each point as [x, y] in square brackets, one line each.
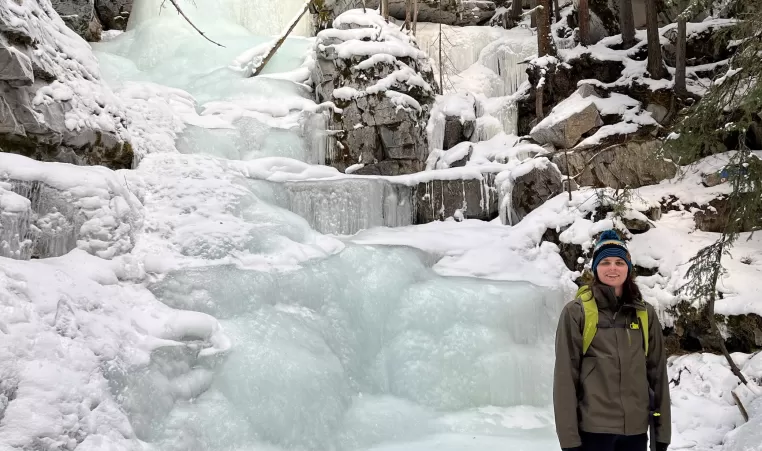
[53, 105]
[81, 17]
[566, 131]
[631, 164]
[461, 199]
[385, 99]
[532, 189]
[114, 14]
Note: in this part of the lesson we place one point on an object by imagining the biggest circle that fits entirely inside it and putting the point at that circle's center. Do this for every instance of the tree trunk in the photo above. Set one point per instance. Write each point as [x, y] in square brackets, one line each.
[584, 22]
[257, 70]
[385, 9]
[415, 16]
[556, 11]
[543, 29]
[538, 100]
[680, 85]
[626, 23]
[408, 15]
[655, 64]
[516, 10]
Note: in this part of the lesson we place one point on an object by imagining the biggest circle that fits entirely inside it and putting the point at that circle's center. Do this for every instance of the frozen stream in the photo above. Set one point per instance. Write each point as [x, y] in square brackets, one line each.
[359, 348]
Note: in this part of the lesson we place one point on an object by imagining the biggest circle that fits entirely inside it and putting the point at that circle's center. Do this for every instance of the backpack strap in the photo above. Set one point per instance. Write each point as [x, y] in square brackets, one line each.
[585, 296]
[643, 319]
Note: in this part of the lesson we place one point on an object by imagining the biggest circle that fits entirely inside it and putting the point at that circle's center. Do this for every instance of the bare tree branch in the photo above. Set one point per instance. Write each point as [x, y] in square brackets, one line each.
[257, 70]
[180, 11]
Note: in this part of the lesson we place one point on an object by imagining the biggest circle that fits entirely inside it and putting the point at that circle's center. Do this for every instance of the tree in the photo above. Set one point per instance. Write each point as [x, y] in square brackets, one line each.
[626, 23]
[680, 58]
[415, 17]
[655, 64]
[725, 116]
[545, 46]
[408, 15]
[385, 9]
[516, 11]
[583, 9]
[556, 11]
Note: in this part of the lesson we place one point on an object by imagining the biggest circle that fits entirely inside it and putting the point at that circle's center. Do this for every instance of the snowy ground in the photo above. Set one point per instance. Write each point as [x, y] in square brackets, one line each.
[229, 324]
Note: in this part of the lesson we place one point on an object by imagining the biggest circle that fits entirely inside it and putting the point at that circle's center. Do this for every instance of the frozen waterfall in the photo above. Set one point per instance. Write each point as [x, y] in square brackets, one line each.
[262, 17]
[335, 346]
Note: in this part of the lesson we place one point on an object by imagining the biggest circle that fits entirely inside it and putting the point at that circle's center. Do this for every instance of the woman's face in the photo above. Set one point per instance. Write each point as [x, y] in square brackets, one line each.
[612, 271]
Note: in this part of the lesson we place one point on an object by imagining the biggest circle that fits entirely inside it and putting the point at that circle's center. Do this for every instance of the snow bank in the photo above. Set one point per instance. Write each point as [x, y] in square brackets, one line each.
[70, 335]
[89, 207]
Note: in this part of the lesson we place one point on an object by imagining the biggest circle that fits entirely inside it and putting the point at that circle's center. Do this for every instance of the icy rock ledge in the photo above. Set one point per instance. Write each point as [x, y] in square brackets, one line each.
[384, 84]
[48, 209]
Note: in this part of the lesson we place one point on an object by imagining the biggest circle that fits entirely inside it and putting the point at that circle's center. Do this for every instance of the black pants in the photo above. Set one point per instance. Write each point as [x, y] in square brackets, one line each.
[612, 442]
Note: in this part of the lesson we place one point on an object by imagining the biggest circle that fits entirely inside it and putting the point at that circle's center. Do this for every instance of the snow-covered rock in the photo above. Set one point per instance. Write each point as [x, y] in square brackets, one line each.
[633, 164]
[48, 209]
[80, 16]
[383, 83]
[54, 105]
[569, 120]
[452, 12]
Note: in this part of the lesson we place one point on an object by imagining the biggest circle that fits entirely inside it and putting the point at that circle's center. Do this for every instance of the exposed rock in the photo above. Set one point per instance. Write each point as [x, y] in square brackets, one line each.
[457, 131]
[450, 12]
[46, 216]
[80, 16]
[462, 199]
[708, 46]
[692, 332]
[715, 216]
[572, 254]
[568, 131]
[385, 99]
[532, 189]
[53, 105]
[632, 164]
[659, 112]
[114, 14]
[561, 81]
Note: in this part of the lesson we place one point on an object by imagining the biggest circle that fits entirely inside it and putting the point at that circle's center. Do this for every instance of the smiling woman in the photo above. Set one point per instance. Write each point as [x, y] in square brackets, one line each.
[610, 382]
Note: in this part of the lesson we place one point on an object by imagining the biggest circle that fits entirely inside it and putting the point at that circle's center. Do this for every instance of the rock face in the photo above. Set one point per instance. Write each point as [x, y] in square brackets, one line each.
[44, 213]
[80, 16]
[53, 106]
[461, 199]
[631, 164]
[451, 12]
[383, 85]
[114, 14]
[532, 189]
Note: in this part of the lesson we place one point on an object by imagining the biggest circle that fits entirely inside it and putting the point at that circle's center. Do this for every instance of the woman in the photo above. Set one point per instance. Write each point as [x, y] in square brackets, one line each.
[610, 381]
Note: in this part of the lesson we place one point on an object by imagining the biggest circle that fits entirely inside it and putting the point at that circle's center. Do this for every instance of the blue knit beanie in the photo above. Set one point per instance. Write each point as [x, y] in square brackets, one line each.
[610, 245]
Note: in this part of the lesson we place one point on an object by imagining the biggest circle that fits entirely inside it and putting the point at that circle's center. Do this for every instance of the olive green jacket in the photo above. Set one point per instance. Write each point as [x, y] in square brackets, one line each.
[607, 389]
